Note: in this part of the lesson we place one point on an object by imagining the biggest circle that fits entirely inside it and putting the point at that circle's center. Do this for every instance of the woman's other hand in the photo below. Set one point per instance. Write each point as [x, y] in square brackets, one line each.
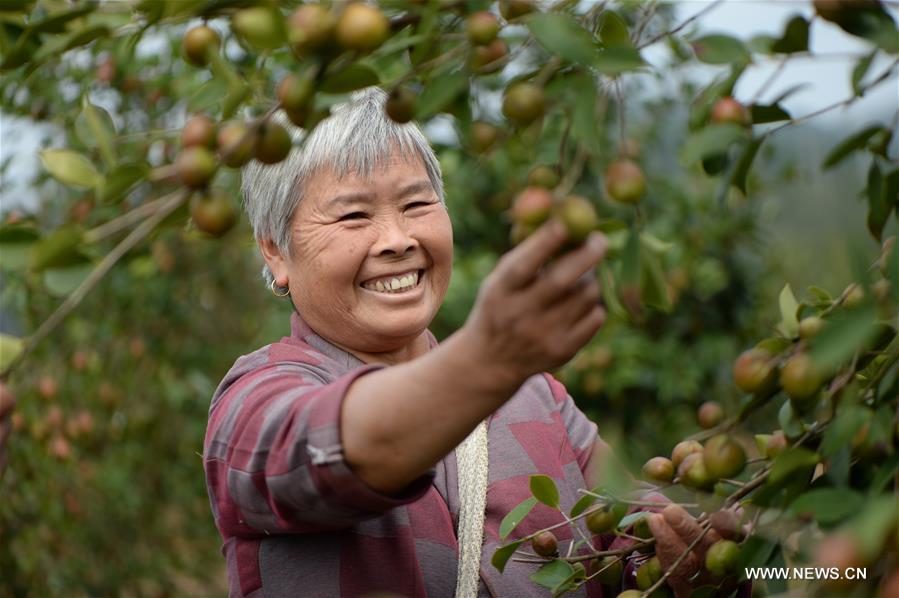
[531, 315]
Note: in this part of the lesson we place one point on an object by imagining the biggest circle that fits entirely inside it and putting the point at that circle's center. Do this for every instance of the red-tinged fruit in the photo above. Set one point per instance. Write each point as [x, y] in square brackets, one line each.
[624, 181]
[487, 59]
[682, 449]
[723, 457]
[483, 136]
[361, 28]
[524, 103]
[482, 27]
[729, 110]
[272, 143]
[199, 43]
[199, 130]
[754, 371]
[47, 387]
[659, 469]
[196, 166]
[106, 71]
[801, 379]
[295, 92]
[213, 213]
[60, 448]
[840, 551]
[693, 474]
[400, 105]
[532, 206]
[310, 27]
[235, 144]
[545, 544]
[710, 414]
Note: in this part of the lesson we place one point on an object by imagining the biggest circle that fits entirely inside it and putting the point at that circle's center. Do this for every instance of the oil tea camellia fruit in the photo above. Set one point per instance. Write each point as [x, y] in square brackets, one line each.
[723, 558]
[532, 206]
[482, 27]
[754, 371]
[545, 544]
[261, 27]
[604, 519]
[710, 414]
[196, 166]
[800, 379]
[361, 28]
[579, 217]
[682, 449]
[198, 130]
[213, 213]
[659, 469]
[609, 571]
[524, 103]
[723, 457]
[235, 144]
[272, 143]
[648, 573]
[310, 27]
[483, 136]
[199, 43]
[486, 59]
[729, 110]
[543, 176]
[693, 473]
[400, 105]
[624, 181]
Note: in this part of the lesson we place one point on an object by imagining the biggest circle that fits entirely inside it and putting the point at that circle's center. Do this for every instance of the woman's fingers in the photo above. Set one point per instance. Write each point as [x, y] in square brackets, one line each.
[669, 547]
[519, 267]
[685, 526]
[566, 273]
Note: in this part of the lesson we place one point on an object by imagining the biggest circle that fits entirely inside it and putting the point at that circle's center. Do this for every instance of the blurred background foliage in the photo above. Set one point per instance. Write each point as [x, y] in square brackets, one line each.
[105, 491]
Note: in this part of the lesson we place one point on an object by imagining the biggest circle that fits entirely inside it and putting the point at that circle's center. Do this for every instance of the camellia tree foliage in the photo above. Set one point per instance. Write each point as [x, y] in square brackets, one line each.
[158, 103]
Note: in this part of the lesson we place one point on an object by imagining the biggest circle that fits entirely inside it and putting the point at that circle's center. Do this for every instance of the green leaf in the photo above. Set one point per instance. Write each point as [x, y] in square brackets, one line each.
[828, 505]
[60, 248]
[874, 523]
[237, 93]
[720, 49]
[563, 36]
[788, 308]
[757, 551]
[860, 70]
[16, 241]
[790, 460]
[654, 286]
[70, 168]
[617, 59]
[878, 208]
[581, 88]
[884, 474]
[613, 30]
[794, 38]
[440, 93]
[762, 113]
[502, 555]
[10, 347]
[515, 516]
[741, 171]
[60, 282]
[553, 574]
[355, 76]
[711, 140]
[789, 421]
[848, 420]
[846, 332]
[631, 519]
[121, 179]
[544, 489]
[821, 295]
[57, 22]
[581, 505]
[789, 91]
[850, 144]
[95, 129]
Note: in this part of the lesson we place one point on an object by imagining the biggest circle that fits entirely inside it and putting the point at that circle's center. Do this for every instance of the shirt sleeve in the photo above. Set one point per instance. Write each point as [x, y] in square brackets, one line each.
[274, 458]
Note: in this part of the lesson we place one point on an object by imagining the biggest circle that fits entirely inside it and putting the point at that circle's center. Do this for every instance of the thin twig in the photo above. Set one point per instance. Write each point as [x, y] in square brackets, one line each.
[78, 295]
[770, 80]
[705, 529]
[125, 220]
[664, 34]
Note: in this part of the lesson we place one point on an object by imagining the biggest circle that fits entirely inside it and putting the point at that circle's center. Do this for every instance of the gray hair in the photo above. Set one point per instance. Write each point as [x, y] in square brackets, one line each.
[355, 138]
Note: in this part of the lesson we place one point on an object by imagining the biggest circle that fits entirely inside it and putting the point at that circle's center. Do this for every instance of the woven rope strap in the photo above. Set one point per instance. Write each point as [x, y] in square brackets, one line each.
[471, 458]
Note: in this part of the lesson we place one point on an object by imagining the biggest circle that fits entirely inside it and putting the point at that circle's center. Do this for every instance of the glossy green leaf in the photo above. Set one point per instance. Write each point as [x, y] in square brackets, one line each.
[544, 489]
[10, 347]
[355, 76]
[654, 286]
[821, 295]
[60, 282]
[720, 49]
[70, 168]
[563, 36]
[95, 129]
[828, 505]
[762, 113]
[58, 22]
[618, 59]
[789, 421]
[516, 516]
[848, 420]
[581, 505]
[850, 144]
[874, 523]
[502, 555]
[613, 30]
[790, 460]
[845, 333]
[123, 177]
[794, 38]
[59, 248]
[711, 140]
[860, 70]
[878, 208]
[581, 89]
[788, 309]
[553, 574]
[740, 172]
[440, 93]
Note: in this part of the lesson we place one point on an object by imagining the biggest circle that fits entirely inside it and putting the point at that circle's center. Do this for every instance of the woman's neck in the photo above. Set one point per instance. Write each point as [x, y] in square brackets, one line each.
[416, 348]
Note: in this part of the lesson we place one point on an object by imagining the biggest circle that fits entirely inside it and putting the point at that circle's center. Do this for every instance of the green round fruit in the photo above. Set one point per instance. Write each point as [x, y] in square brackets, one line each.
[723, 457]
[196, 166]
[198, 43]
[579, 217]
[486, 59]
[524, 103]
[235, 145]
[483, 136]
[213, 213]
[261, 27]
[630, 594]
[198, 130]
[754, 371]
[310, 27]
[604, 519]
[482, 27]
[801, 379]
[295, 92]
[272, 143]
[659, 469]
[543, 176]
[723, 558]
[545, 544]
[361, 28]
[609, 571]
[854, 296]
[649, 573]
[532, 206]
[810, 327]
[682, 449]
[400, 105]
[693, 474]
[710, 414]
[624, 181]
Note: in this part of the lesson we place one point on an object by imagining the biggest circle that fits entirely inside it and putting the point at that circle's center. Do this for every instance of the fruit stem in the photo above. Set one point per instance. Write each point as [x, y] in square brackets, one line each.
[125, 220]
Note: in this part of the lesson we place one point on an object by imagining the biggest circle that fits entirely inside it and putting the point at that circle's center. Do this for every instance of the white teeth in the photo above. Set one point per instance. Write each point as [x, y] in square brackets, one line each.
[394, 284]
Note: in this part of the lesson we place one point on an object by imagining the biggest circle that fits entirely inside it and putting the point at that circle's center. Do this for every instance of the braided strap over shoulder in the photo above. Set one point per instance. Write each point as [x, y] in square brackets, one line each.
[471, 457]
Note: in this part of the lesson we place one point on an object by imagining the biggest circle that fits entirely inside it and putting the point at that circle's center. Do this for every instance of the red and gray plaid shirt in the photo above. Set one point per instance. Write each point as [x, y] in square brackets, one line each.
[297, 521]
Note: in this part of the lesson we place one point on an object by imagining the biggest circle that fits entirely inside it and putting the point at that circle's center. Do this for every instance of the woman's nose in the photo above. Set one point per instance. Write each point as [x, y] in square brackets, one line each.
[394, 237]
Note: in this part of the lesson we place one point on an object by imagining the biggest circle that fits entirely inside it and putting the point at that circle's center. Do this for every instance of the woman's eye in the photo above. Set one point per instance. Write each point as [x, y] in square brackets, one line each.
[353, 216]
[415, 204]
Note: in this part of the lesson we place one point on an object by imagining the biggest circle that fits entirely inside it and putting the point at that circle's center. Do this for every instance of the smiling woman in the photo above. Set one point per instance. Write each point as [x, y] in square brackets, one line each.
[357, 454]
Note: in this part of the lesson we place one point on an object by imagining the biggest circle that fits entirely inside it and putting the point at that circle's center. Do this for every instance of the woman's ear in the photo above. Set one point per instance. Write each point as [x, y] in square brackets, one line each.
[275, 261]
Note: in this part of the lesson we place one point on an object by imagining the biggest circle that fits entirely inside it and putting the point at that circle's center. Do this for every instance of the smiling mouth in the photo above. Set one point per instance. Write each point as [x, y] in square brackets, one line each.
[396, 285]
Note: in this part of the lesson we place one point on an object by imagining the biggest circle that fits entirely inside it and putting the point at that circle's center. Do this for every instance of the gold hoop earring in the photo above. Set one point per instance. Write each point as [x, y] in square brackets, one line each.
[276, 293]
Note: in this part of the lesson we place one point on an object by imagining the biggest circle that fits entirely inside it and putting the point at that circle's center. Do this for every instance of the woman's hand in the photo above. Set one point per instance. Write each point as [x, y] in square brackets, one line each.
[532, 316]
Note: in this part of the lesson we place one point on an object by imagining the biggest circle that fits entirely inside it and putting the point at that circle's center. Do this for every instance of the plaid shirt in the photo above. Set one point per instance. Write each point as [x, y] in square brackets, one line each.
[296, 520]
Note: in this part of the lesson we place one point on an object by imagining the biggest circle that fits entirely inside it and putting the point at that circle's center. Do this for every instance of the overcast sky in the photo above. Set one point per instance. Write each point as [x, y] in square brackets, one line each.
[829, 79]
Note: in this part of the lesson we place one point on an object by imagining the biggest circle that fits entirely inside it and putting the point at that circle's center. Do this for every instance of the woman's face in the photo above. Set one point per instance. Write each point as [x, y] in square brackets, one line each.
[349, 234]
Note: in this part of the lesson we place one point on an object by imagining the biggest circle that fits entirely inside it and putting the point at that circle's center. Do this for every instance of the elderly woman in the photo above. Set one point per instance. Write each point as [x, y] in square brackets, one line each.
[357, 454]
